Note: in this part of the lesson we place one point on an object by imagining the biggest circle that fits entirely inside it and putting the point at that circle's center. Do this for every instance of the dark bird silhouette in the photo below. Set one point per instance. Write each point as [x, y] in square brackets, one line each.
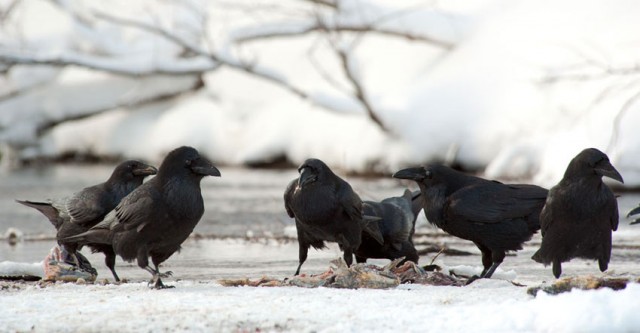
[326, 208]
[580, 213]
[632, 212]
[157, 217]
[81, 211]
[397, 226]
[496, 217]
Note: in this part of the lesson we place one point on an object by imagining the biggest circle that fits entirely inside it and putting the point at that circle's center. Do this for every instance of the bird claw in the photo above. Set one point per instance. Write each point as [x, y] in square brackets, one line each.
[157, 284]
[472, 279]
[162, 286]
[165, 274]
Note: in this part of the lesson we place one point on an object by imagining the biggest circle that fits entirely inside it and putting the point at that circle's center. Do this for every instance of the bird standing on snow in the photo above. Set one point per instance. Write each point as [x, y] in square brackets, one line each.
[580, 213]
[325, 208]
[83, 210]
[496, 217]
[397, 226]
[156, 218]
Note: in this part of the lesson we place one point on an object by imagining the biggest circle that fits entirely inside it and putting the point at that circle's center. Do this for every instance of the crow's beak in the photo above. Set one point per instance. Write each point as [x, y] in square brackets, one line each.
[416, 174]
[203, 167]
[634, 212]
[306, 177]
[605, 168]
[146, 171]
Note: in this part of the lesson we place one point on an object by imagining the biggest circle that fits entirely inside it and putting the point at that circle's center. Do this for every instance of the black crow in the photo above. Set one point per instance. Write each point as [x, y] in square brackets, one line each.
[397, 226]
[83, 210]
[580, 213]
[496, 217]
[634, 212]
[325, 208]
[157, 217]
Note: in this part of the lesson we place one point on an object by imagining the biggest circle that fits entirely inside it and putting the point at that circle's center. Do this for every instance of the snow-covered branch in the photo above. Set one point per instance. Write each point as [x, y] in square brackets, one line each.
[361, 29]
[360, 94]
[125, 67]
[600, 73]
[327, 3]
[268, 75]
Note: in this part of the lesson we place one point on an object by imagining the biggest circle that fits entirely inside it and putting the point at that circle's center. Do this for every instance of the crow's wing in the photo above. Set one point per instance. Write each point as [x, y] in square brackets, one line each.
[546, 217]
[349, 201]
[140, 208]
[288, 196]
[398, 214]
[492, 202]
[87, 206]
[352, 205]
[615, 217]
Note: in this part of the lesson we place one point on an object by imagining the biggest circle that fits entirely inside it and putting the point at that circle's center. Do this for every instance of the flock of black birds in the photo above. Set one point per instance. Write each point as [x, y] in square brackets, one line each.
[137, 221]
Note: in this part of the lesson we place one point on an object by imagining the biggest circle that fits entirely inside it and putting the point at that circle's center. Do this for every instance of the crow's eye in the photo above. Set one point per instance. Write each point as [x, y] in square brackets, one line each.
[602, 159]
[428, 174]
[187, 162]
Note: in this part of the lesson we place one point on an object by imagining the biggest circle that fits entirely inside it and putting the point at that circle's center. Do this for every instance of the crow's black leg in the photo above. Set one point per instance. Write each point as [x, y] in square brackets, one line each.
[497, 257]
[557, 268]
[303, 250]
[110, 261]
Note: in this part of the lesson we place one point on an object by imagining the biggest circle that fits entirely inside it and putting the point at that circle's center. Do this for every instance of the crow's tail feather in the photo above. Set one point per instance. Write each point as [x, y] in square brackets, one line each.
[46, 209]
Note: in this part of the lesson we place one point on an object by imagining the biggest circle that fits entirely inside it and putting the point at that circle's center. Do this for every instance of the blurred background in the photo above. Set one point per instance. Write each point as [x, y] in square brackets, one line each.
[506, 89]
[513, 89]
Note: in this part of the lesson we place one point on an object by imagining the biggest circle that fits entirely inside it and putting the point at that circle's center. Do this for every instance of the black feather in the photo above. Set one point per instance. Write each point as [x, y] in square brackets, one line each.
[397, 225]
[157, 217]
[580, 214]
[496, 217]
[325, 208]
[76, 214]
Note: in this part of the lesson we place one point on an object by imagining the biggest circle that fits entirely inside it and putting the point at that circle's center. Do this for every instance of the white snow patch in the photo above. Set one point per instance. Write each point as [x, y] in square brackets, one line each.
[10, 268]
[485, 306]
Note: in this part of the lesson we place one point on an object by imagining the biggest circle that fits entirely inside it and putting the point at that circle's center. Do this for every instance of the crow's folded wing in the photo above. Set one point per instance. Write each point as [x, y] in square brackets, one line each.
[492, 202]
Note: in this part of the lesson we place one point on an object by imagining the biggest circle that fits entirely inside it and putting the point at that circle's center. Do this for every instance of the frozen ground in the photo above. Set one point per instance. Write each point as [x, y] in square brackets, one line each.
[487, 306]
[199, 303]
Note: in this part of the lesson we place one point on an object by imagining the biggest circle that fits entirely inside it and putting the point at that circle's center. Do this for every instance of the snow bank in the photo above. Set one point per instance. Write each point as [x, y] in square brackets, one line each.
[10, 268]
[526, 85]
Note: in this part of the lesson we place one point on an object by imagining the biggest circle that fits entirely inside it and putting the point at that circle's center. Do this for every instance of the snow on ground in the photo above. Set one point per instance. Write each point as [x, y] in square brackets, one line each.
[201, 306]
[527, 85]
[199, 303]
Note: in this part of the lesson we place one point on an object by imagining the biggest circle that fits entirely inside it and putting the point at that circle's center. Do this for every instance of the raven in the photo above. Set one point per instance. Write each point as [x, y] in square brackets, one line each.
[326, 208]
[580, 213]
[157, 217]
[496, 217]
[76, 214]
[397, 226]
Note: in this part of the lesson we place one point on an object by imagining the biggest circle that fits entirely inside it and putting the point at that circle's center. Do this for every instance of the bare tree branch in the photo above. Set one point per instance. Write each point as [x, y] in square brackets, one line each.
[615, 133]
[49, 124]
[247, 68]
[604, 73]
[365, 29]
[327, 3]
[4, 14]
[107, 64]
[359, 89]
